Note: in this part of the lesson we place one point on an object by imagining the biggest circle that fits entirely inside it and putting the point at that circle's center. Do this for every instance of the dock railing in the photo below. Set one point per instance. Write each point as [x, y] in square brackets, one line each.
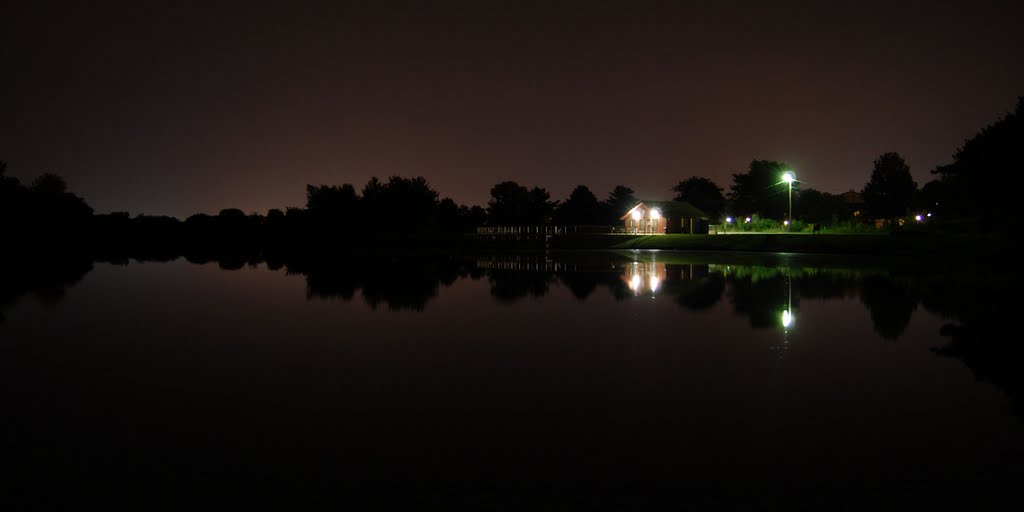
[550, 230]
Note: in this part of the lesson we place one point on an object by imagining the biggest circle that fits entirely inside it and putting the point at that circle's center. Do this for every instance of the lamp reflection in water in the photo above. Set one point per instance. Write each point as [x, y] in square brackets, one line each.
[788, 317]
[635, 282]
[644, 277]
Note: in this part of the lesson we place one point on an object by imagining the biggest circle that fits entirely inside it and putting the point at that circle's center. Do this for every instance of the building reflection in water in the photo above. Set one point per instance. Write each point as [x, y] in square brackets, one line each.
[645, 277]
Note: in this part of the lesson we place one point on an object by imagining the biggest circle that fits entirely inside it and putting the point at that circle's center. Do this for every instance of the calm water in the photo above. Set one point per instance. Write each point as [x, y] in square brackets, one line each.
[626, 381]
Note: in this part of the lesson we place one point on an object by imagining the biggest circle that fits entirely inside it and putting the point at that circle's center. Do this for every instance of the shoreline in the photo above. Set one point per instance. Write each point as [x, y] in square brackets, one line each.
[916, 243]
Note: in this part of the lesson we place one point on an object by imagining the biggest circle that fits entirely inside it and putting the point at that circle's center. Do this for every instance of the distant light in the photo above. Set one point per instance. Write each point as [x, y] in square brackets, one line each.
[748, 219]
[785, 222]
[787, 319]
[929, 214]
[917, 217]
[637, 214]
[789, 177]
[654, 283]
[635, 283]
[655, 214]
[728, 219]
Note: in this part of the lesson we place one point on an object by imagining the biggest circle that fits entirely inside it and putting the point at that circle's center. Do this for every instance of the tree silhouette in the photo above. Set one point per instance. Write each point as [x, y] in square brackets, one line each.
[12, 195]
[985, 175]
[702, 193]
[512, 204]
[936, 195]
[49, 185]
[760, 190]
[891, 188]
[332, 200]
[508, 204]
[819, 207]
[471, 217]
[42, 219]
[453, 218]
[3, 173]
[406, 205]
[541, 208]
[619, 201]
[581, 208]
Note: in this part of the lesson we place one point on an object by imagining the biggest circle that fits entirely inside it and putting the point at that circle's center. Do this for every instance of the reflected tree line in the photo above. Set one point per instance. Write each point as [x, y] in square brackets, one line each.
[46, 281]
[395, 282]
[978, 303]
[409, 281]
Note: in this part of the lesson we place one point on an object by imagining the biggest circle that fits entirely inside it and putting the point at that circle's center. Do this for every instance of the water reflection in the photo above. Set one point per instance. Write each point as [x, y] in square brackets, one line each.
[767, 295]
[890, 304]
[45, 280]
[788, 316]
[766, 291]
[402, 282]
[677, 393]
[694, 286]
[645, 278]
[984, 310]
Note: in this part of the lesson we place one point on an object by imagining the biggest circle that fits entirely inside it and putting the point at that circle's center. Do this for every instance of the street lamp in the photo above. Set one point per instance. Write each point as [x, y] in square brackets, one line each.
[789, 178]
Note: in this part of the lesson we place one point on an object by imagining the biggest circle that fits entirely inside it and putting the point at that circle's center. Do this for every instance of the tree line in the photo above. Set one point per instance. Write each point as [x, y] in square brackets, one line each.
[973, 190]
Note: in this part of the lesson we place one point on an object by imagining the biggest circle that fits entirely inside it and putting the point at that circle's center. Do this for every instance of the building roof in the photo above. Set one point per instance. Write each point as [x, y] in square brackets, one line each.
[670, 209]
[851, 197]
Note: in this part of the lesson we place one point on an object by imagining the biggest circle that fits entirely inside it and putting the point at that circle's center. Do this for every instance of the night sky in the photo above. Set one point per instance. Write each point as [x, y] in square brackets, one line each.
[181, 107]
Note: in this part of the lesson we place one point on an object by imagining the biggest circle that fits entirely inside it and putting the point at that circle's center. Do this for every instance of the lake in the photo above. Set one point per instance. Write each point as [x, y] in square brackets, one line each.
[629, 380]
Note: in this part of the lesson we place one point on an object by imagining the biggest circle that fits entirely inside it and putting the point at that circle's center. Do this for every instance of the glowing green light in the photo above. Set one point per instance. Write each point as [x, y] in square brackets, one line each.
[787, 319]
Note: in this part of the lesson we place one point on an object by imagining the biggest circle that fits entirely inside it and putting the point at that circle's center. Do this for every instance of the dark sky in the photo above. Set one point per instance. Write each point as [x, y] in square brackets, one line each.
[180, 107]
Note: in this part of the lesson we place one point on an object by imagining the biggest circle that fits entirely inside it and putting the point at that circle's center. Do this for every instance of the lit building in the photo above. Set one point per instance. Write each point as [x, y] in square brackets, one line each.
[659, 217]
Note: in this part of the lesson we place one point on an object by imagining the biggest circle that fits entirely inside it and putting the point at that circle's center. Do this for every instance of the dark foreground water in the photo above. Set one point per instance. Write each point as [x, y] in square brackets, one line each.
[651, 380]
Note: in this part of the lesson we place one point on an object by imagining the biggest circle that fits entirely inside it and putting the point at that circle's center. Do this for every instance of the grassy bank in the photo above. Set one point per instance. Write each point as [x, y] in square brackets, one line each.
[917, 243]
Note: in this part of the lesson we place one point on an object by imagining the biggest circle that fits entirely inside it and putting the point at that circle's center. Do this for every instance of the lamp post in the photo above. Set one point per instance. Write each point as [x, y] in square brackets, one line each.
[789, 178]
